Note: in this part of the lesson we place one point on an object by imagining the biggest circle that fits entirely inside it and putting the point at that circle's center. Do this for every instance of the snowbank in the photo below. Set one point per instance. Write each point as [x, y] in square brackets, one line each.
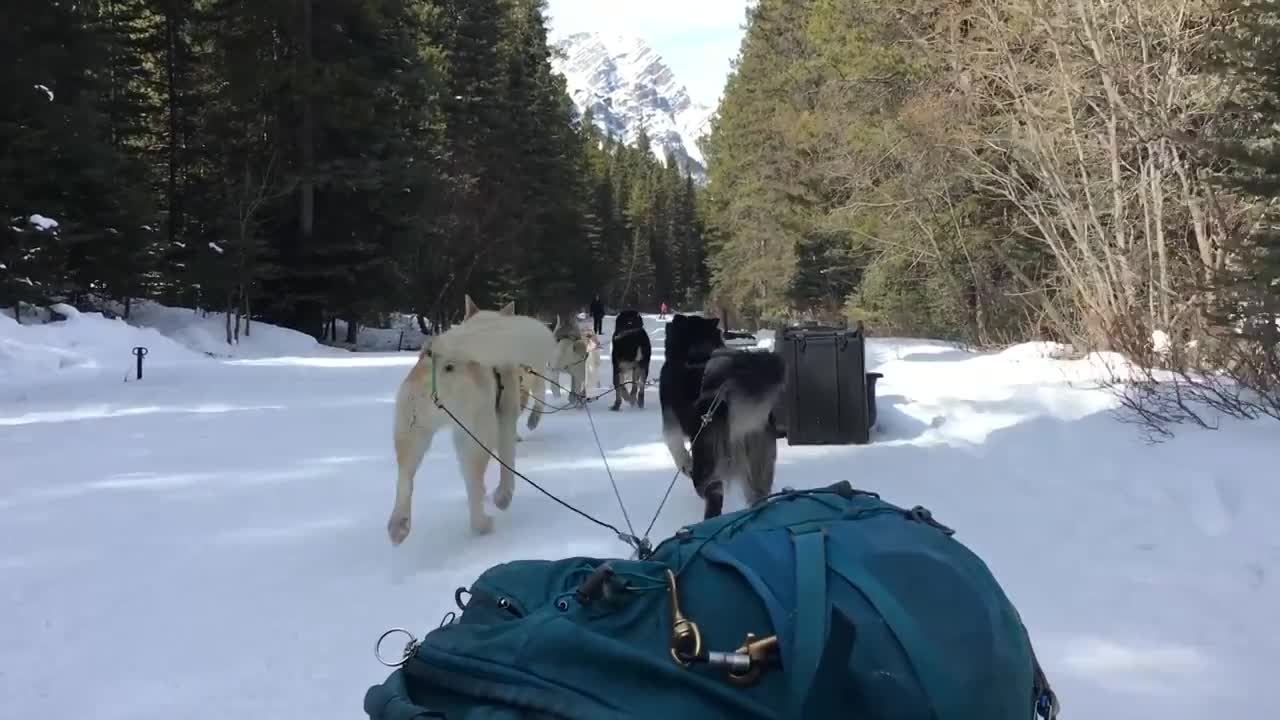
[90, 342]
[81, 342]
[404, 334]
[207, 334]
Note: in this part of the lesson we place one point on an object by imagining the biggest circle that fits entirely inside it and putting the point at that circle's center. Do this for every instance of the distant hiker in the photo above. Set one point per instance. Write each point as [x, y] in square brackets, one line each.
[597, 314]
[662, 311]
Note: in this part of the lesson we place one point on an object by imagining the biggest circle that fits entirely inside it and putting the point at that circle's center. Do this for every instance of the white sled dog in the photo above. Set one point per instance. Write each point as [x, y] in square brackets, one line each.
[475, 368]
[578, 354]
[571, 357]
[593, 359]
[533, 391]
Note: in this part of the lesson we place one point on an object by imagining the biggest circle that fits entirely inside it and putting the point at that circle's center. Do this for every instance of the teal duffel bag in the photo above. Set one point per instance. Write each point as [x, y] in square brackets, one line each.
[825, 603]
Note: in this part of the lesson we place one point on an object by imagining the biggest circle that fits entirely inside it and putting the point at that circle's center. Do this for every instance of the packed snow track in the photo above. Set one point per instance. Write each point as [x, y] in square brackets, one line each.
[210, 542]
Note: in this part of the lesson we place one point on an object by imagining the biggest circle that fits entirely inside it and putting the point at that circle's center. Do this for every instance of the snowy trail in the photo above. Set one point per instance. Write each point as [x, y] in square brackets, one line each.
[211, 542]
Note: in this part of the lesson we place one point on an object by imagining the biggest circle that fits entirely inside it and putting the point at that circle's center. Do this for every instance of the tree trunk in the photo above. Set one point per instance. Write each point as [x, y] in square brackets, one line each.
[229, 306]
[244, 294]
[422, 324]
[171, 32]
[306, 188]
[353, 330]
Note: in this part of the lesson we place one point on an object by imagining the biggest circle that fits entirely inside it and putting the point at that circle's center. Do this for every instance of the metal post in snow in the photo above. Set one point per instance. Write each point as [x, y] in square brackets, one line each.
[140, 352]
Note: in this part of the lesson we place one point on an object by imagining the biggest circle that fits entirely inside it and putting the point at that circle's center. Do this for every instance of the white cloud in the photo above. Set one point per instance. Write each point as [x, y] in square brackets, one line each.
[697, 38]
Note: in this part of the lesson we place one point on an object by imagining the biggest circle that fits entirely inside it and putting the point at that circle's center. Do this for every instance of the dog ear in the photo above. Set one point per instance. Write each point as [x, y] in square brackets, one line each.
[469, 307]
[508, 309]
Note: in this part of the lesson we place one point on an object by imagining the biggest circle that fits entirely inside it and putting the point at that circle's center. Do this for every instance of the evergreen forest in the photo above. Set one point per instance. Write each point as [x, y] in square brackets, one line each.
[304, 162]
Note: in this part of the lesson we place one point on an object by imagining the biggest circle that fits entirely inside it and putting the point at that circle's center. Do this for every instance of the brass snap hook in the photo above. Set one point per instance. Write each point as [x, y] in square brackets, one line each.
[686, 639]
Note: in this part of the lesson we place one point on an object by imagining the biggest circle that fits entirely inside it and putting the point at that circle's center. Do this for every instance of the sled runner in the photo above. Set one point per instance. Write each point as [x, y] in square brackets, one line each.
[825, 603]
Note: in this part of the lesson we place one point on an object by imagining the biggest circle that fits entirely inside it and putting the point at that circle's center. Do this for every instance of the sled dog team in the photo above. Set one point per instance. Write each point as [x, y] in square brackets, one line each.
[482, 373]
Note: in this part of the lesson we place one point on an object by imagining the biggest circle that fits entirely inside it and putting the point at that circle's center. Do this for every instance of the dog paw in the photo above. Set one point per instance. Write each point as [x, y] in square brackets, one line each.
[482, 525]
[615, 408]
[398, 528]
[502, 496]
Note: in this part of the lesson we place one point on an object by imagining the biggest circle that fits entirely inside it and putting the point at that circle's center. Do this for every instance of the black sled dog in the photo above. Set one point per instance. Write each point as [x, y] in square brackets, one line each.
[629, 354]
[737, 390]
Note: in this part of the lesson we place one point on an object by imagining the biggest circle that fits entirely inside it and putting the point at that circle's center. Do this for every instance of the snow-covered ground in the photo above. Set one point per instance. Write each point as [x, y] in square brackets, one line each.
[90, 346]
[210, 542]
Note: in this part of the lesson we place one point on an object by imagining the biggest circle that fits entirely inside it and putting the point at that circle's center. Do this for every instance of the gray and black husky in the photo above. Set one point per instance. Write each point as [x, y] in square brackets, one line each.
[738, 390]
[630, 352]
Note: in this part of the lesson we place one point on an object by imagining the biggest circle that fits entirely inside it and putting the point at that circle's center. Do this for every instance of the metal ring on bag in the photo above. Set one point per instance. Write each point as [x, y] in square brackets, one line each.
[408, 648]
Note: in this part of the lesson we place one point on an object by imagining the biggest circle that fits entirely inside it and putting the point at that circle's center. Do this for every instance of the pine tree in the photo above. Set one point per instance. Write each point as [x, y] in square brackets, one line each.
[597, 203]
[315, 162]
[753, 175]
[688, 228]
[545, 177]
[243, 168]
[1249, 55]
[69, 150]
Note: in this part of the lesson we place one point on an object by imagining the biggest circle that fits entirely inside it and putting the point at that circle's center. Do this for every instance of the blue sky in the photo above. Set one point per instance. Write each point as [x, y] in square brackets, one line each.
[697, 38]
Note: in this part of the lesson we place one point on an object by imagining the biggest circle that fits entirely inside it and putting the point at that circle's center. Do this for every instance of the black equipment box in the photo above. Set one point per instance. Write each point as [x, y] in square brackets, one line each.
[829, 398]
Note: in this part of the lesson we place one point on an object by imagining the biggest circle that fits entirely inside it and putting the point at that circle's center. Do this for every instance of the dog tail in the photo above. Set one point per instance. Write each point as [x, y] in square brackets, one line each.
[749, 384]
[496, 340]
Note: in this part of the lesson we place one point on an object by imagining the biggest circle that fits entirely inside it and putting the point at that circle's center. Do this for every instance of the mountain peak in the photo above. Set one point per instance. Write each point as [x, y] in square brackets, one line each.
[627, 86]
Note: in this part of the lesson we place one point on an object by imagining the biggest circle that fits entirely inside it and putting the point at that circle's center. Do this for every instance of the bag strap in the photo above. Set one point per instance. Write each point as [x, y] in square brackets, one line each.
[1044, 699]
[390, 701]
[810, 636]
[919, 652]
[829, 693]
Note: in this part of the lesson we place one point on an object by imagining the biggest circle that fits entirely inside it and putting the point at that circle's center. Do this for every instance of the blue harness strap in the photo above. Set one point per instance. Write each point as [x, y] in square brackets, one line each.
[933, 680]
[830, 694]
[810, 636]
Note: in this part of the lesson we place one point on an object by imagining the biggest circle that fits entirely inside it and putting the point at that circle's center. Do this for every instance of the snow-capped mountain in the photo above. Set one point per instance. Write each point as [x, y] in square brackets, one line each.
[628, 86]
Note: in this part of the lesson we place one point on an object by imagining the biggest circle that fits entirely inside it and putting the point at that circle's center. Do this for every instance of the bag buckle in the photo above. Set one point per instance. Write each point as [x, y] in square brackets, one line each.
[922, 515]
[744, 666]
